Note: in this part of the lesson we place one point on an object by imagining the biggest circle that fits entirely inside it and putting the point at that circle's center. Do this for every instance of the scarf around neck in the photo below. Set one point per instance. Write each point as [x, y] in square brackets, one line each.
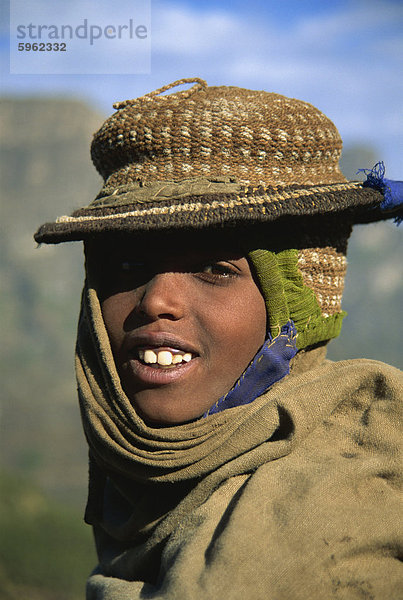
[147, 483]
[123, 444]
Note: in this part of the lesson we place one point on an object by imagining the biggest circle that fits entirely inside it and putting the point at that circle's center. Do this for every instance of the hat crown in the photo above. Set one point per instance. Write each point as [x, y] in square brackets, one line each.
[215, 157]
[252, 137]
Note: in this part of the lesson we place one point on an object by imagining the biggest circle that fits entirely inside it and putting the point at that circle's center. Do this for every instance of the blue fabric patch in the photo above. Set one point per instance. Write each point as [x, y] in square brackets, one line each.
[270, 364]
[392, 190]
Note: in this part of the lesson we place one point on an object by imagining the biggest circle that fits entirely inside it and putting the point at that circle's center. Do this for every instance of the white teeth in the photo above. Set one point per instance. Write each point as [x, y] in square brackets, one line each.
[149, 357]
[165, 358]
[176, 359]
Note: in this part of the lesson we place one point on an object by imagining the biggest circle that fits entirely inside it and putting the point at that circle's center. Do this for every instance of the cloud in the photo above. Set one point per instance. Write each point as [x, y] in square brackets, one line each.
[357, 18]
[182, 25]
[344, 57]
[181, 31]
[346, 61]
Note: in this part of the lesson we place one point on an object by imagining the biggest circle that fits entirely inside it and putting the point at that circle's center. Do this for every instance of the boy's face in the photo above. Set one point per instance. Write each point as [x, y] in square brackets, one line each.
[184, 318]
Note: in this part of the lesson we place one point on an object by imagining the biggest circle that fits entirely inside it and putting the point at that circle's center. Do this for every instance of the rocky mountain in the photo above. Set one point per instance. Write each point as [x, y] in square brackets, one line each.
[45, 171]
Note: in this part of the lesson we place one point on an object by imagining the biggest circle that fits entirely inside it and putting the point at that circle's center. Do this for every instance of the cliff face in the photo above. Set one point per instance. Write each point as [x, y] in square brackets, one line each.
[373, 294]
[46, 172]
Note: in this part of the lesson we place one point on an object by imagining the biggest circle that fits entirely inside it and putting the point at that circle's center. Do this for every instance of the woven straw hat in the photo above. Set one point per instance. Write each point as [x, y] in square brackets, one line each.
[214, 156]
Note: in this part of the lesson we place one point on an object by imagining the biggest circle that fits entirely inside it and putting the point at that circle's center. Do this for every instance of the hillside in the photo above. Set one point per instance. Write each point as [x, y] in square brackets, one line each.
[46, 553]
[373, 294]
[46, 170]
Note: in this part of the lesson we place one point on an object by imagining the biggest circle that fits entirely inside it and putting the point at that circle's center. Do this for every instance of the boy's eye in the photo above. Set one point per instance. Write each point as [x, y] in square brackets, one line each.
[217, 269]
[215, 272]
[128, 266]
[128, 271]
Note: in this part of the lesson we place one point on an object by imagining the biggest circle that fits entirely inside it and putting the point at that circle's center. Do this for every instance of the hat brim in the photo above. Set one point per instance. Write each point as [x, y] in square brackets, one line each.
[128, 210]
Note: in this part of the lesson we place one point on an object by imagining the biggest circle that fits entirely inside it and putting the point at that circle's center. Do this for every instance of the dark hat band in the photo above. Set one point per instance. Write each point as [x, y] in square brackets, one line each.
[170, 205]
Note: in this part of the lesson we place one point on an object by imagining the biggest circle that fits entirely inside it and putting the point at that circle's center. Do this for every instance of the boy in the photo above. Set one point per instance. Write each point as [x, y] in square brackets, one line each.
[228, 457]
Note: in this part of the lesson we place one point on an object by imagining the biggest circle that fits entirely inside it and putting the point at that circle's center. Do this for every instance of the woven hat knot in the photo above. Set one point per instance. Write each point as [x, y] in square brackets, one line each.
[200, 84]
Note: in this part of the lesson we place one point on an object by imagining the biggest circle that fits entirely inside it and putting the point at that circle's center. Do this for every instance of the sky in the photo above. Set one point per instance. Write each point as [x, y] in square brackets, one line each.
[343, 56]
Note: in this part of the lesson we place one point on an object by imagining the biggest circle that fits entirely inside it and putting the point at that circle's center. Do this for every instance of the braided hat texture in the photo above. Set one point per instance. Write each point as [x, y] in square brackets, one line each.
[213, 156]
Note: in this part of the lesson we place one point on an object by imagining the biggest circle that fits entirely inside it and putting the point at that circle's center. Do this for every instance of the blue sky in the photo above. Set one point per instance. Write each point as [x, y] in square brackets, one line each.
[345, 57]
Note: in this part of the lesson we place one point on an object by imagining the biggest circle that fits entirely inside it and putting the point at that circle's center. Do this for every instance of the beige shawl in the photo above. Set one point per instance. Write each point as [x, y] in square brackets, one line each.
[292, 496]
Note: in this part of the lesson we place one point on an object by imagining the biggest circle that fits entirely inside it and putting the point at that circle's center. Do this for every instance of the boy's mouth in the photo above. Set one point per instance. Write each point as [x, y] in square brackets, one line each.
[163, 358]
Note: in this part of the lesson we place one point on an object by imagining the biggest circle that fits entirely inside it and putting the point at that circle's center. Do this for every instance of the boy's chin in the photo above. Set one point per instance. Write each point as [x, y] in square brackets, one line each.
[162, 407]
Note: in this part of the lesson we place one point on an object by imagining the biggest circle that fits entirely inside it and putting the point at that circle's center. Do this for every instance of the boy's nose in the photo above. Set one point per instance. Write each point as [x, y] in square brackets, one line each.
[163, 297]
